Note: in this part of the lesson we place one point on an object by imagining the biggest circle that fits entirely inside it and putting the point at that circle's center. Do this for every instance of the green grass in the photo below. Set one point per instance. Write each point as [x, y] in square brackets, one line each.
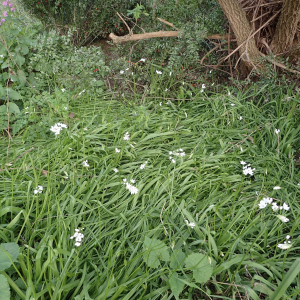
[206, 187]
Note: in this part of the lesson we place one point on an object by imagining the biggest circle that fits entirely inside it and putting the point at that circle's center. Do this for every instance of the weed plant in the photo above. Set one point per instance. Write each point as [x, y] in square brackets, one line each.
[158, 200]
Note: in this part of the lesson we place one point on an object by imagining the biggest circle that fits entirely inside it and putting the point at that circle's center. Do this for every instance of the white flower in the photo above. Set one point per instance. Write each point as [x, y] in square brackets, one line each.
[85, 164]
[268, 200]
[243, 162]
[127, 69]
[143, 59]
[85, 129]
[298, 184]
[192, 224]
[262, 204]
[203, 86]
[65, 108]
[210, 71]
[248, 170]
[232, 104]
[282, 218]
[81, 92]
[116, 170]
[229, 93]
[132, 180]
[63, 90]
[285, 206]
[173, 160]
[121, 72]
[276, 188]
[1, 56]
[158, 72]
[277, 131]
[275, 207]
[288, 237]
[240, 118]
[56, 128]
[284, 246]
[143, 165]
[160, 103]
[78, 237]
[132, 189]
[182, 83]
[126, 136]
[117, 150]
[38, 190]
[170, 73]
[166, 90]
[213, 84]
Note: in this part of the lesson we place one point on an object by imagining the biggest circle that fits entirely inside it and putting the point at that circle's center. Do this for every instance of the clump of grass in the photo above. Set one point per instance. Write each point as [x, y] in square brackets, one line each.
[199, 201]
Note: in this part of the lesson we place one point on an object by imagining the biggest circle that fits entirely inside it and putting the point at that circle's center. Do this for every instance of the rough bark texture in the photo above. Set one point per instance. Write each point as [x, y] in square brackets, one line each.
[286, 27]
[241, 27]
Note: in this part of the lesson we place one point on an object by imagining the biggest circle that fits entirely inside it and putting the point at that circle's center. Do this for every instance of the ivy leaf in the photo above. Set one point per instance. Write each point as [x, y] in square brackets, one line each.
[4, 288]
[177, 258]
[176, 284]
[9, 253]
[200, 265]
[156, 250]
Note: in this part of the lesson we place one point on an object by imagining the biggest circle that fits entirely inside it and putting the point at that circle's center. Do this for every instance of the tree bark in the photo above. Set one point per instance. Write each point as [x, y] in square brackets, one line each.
[240, 25]
[286, 27]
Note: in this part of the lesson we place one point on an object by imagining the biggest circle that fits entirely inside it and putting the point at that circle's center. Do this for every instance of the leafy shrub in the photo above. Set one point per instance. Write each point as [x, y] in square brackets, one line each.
[54, 56]
[89, 18]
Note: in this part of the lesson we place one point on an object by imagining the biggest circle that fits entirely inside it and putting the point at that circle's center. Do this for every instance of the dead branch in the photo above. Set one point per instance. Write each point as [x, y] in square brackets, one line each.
[143, 36]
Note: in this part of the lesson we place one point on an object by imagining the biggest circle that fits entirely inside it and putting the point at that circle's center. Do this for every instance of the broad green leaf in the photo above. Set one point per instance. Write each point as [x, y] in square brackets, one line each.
[199, 264]
[4, 288]
[14, 95]
[19, 59]
[176, 259]
[25, 49]
[2, 91]
[8, 254]
[156, 250]
[176, 284]
[12, 108]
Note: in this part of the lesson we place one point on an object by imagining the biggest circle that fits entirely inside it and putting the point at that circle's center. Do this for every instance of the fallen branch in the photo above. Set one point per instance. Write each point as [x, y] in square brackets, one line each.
[143, 36]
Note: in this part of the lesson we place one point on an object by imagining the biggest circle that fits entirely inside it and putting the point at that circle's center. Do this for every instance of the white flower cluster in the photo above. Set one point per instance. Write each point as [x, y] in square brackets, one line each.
[286, 245]
[178, 152]
[117, 150]
[192, 224]
[158, 72]
[116, 170]
[265, 201]
[85, 164]
[126, 136]
[57, 128]
[277, 131]
[38, 190]
[247, 170]
[203, 88]
[78, 236]
[131, 188]
[143, 165]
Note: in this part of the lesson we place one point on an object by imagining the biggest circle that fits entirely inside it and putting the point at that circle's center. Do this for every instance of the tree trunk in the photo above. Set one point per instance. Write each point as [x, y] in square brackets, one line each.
[286, 27]
[240, 25]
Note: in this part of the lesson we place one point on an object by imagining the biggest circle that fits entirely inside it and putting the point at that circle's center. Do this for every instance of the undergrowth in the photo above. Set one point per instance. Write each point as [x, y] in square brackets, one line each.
[142, 239]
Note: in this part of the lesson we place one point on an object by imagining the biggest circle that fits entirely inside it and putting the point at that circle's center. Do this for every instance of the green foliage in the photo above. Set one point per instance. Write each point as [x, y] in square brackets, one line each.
[137, 11]
[90, 19]
[9, 253]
